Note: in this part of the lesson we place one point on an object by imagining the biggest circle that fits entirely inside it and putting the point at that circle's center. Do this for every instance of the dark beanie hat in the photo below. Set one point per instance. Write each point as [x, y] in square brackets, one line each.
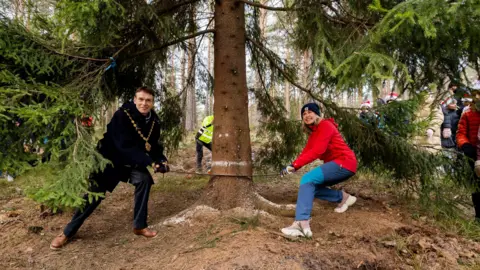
[310, 107]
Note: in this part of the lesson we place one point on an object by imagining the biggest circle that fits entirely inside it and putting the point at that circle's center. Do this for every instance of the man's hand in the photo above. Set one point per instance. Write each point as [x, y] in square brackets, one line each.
[429, 133]
[477, 168]
[446, 133]
[287, 170]
[161, 167]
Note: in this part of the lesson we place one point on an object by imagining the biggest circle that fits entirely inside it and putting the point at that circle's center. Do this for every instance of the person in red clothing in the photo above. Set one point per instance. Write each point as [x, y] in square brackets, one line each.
[467, 140]
[325, 143]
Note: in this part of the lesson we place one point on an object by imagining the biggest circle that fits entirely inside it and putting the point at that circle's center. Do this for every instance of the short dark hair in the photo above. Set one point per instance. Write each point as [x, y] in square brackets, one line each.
[452, 84]
[146, 90]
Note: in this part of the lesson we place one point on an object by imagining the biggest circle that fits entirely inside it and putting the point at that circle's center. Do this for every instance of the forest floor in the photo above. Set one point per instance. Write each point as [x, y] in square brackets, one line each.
[379, 232]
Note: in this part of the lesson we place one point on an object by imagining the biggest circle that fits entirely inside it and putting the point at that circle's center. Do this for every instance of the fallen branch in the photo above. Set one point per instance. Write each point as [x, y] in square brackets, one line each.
[285, 210]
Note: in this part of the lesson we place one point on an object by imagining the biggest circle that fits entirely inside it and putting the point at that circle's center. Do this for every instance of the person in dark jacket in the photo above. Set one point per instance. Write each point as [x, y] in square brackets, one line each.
[131, 143]
[325, 143]
[450, 123]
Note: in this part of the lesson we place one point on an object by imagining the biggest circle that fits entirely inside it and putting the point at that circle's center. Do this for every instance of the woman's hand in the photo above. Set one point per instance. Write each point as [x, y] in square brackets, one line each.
[287, 170]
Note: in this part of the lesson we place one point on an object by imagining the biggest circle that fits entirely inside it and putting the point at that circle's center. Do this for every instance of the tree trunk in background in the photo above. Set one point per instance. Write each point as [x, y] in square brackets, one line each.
[173, 71]
[208, 95]
[233, 186]
[298, 93]
[253, 111]
[287, 89]
[183, 85]
[305, 79]
[360, 96]
[191, 104]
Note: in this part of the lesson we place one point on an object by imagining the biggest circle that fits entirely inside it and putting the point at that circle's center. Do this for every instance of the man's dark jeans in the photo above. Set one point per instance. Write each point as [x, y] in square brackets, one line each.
[199, 147]
[140, 178]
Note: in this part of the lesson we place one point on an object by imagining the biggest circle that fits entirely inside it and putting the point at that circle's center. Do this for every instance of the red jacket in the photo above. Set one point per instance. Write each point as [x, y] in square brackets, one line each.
[326, 143]
[468, 128]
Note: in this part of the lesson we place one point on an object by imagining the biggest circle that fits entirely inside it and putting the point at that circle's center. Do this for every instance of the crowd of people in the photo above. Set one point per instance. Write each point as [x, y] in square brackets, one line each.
[451, 123]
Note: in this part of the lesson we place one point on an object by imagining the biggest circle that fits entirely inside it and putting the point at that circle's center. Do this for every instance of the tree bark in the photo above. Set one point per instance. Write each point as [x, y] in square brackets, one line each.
[191, 117]
[232, 164]
[287, 89]
[209, 97]
[173, 71]
[305, 77]
[183, 84]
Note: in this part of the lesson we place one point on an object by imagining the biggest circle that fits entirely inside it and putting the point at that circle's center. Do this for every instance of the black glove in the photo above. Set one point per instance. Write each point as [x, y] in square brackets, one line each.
[162, 168]
[469, 150]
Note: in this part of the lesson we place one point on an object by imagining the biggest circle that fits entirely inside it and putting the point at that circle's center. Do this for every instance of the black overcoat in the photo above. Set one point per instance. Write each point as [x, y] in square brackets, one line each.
[125, 148]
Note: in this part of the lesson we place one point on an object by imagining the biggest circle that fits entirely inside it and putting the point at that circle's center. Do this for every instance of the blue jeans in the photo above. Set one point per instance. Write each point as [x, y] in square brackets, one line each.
[315, 184]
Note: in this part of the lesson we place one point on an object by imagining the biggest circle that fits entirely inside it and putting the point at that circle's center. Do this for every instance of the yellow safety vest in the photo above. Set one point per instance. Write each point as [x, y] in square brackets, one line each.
[205, 134]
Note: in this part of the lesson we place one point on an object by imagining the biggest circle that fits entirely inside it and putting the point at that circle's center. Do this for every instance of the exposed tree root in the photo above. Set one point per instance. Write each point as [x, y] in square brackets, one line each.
[285, 210]
[207, 213]
[262, 207]
[191, 213]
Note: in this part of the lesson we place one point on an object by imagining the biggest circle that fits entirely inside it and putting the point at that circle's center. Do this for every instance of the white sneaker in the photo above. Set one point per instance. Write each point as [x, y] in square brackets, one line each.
[349, 202]
[296, 230]
[10, 178]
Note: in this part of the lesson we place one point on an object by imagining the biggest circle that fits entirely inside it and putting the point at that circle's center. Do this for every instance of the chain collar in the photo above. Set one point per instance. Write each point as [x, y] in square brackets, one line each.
[148, 147]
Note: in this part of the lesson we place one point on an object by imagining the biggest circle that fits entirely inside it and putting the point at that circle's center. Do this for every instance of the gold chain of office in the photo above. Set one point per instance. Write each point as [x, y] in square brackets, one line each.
[148, 147]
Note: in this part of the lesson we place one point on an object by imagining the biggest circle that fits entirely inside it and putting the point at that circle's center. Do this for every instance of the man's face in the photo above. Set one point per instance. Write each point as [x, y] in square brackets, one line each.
[364, 109]
[143, 102]
[309, 117]
[452, 106]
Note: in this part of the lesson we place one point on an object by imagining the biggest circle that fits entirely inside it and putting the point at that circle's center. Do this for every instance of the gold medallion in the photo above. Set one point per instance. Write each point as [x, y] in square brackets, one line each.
[148, 146]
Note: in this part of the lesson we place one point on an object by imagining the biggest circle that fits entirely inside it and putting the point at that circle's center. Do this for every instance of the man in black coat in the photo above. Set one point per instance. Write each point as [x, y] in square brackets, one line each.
[131, 143]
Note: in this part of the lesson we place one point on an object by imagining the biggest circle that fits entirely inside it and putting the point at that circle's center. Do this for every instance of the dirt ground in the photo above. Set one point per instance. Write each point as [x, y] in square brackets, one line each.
[376, 233]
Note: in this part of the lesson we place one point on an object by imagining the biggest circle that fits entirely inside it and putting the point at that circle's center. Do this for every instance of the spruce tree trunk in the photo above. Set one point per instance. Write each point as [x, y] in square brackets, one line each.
[231, 142]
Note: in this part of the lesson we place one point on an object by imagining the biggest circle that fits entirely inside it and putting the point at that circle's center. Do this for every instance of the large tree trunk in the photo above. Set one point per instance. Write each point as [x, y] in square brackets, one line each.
[232, 164]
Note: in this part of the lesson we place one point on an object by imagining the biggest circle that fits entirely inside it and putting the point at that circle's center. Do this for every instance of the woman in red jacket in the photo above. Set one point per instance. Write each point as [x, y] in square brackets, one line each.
[325, 143]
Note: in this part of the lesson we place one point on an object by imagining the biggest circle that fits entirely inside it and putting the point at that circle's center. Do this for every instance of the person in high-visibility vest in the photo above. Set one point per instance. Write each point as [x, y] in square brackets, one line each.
[204, 139]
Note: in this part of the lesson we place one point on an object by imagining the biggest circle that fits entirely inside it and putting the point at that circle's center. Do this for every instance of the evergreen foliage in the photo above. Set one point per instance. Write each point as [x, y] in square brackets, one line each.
[58, 70]
[53, 72]
[361, 43]
[282, 138]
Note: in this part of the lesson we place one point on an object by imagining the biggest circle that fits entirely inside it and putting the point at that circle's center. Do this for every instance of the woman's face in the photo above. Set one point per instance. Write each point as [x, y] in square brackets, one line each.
[309, 117]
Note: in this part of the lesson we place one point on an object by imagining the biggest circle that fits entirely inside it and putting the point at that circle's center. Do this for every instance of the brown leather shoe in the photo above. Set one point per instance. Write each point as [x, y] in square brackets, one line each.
[59, 241]
[145, 232]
